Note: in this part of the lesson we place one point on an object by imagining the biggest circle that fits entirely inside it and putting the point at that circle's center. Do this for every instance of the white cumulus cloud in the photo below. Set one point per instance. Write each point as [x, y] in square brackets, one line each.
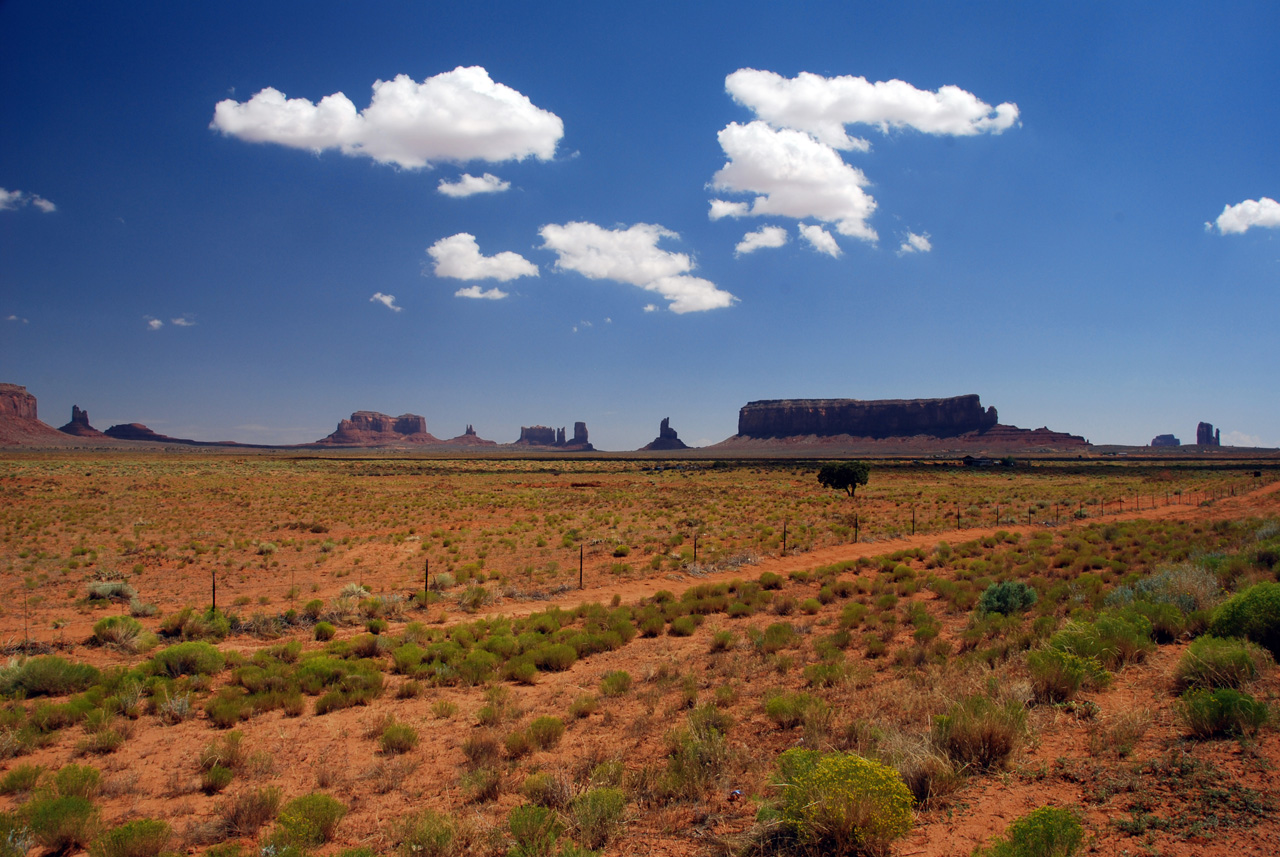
[183, 321]
[153, 323]
[766, 236]
[632, 256]
[460, 115]
[458, 257]
[16, 318]
[1239, 218]
[724, 208]
[796, 176]
[823, 106]
[11, 200]
[494, 294]
[914, 243]
[820, 239]
[388, 301]
[469, 185]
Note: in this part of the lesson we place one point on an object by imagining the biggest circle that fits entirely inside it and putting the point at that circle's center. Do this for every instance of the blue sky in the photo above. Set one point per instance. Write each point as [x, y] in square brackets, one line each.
[198, 233]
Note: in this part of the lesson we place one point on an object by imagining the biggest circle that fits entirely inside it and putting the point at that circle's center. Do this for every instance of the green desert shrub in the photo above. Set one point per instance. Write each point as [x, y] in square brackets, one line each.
[1224, 711]
[789, 710]
[597, 816]
[698, 756]
[1211, 662]
[615, 683]
[1112, 639]
[324, 631]
[215, 779]
[248, 812]
[427, 834]
[535, 830]
[1057, 676]
[682, 626]
[47, 675]
[1044, 832]
[63, 823]
[1253, 614]
[397, 738]
[123, 632]
[77, 781]
[1189, 587]
[15, 836]
[310, 820]
[194, 657]
[142, 837]
[980, 733]
[20, 780]
[1006, 597]
[545, 732]
[841, 803]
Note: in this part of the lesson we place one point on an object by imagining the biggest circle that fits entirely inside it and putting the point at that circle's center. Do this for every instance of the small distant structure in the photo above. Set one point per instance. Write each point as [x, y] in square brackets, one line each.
[556, 438]
[667, 439]
[1165, 440]
[1207, 435]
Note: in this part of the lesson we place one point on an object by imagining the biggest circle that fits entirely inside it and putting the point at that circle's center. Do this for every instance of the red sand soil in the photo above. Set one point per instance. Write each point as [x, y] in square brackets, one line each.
[154, 773]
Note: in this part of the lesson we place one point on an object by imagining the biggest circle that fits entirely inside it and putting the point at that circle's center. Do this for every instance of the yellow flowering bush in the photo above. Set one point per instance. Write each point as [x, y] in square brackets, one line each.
[842, 803]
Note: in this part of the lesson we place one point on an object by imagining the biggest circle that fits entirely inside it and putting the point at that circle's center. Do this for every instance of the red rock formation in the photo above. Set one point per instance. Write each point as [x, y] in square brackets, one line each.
[19, 423]
[17, 403]
[79, 425]
[370, 428]
[667, 439]
[870, 419]
[555, 438]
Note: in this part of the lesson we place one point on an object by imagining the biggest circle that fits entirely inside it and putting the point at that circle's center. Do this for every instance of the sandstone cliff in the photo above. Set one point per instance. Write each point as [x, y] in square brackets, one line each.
[79, 425]
[667, 439]
[556, 438]
[891, 426]
[873, 419]
[19, 422]
[370, 428]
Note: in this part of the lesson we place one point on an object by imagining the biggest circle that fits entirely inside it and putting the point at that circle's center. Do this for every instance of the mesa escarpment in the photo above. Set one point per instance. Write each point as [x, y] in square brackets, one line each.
[371, 428]
[907, 425]
[555, 438]
[19, 420]
[79, 425]
[874, 419]
[667, 439]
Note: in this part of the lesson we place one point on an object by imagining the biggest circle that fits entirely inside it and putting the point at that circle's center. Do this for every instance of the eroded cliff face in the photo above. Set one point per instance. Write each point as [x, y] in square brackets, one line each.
[79, 425]
[17, 403]
[884, 418]
[370, 428]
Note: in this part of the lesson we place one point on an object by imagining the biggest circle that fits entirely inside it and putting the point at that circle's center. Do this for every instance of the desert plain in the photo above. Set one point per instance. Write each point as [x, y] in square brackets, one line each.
[498, 655]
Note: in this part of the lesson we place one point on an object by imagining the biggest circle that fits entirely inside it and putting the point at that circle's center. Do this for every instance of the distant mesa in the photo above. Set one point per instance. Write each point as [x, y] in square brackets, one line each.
[370, 428]
[545, 436]
[873, 419]
[1165, 440]
[16, 403]
[667, 439]
[905, 425]
[19, 421]
[137, 431]
[1207, 435]
[79, 425]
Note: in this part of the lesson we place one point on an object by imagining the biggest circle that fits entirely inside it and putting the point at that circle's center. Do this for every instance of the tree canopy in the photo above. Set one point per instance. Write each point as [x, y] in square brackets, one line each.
[844, 475]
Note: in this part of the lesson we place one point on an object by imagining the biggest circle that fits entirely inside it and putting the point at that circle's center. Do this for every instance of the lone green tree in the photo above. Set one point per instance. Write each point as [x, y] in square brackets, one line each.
[844, 475]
